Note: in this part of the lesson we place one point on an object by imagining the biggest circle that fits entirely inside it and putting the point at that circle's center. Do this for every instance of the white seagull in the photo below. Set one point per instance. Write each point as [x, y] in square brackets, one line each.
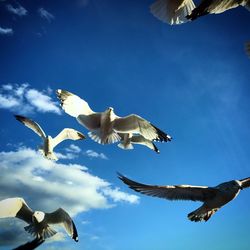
[172, 11]
[50, 143]
[213, 198]
[39, 222]
[105, 126]
[128, 139]
[216, 7]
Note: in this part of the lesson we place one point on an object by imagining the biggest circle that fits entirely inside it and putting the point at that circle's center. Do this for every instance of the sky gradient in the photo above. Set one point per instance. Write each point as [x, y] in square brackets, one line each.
[191, 81]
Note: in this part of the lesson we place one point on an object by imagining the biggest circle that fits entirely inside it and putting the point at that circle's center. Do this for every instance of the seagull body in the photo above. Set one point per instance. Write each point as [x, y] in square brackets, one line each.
[50, 143]
[172, 11]
[216, 7]
[127, 141]
[106, 126]
[213, 198]
[38, 221]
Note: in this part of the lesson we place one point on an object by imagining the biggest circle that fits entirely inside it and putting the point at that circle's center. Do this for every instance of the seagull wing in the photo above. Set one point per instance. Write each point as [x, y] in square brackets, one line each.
[67, 134]
[73, 104]
[172, 11]
[32, 125]
[61, 216]
[30, 245]
[139, 139]
[245, 183]
[247, 48]
[182, 192]
[136, 124]
[16, 207]
[91, 122]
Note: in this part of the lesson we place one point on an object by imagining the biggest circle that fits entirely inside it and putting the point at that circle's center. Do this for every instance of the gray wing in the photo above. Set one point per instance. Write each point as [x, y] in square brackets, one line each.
[73, 104]
[139, 139]
[67, 134]
[245, 183]
[30, 245]
[91, 122]
[172, 12]
[15, 207]
[32, 125]
[182, 192]
[136, 124]
[61, 216]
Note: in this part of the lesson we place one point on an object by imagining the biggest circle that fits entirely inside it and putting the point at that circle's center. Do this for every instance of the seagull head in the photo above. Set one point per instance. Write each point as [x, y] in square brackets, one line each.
[38, 216]
[110, 109]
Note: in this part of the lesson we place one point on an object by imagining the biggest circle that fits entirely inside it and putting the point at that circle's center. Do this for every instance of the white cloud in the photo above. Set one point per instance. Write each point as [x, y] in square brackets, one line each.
[92, 154]
[47, 185]
[22, 99]
[45, 14]
[20, 10]
[73, 148]
[6, 31]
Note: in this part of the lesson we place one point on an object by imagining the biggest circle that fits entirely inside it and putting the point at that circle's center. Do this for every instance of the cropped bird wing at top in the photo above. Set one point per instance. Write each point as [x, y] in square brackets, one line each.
[61, 216]
[178, 192]
[67, 134]
[172, 11]
[32, 125]
[73, 104]
[15, 207]
[247, 48]
[136, 124]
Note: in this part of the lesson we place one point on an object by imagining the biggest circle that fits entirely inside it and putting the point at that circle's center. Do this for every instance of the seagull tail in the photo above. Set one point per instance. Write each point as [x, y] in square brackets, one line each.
[111, 138]
[201, 214]
[125, 146]
[42, 234]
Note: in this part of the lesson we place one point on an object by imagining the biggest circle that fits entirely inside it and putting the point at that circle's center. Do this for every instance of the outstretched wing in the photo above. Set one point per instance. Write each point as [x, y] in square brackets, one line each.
[181, 192]
[139, 139]
[172, 11]
[136, 124]
[15, 207]
[61, 216]
[32, 125]
[73, 104]
[67, 134]
[245, 183]
[30, 245]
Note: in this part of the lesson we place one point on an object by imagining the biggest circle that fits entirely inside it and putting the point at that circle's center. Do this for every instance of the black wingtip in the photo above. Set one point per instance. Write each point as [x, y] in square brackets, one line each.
[20, 118]
[75, 234]
[156, 149]
[162, 136]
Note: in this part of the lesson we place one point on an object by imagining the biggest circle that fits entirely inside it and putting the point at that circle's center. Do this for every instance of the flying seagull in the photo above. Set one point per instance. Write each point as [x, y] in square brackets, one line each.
[50, 143]
[213, 198]
[172, 11]
[105, 126]
[216, 7]
[128, 139]
[247, 48]
[30, 245]
[39, 222]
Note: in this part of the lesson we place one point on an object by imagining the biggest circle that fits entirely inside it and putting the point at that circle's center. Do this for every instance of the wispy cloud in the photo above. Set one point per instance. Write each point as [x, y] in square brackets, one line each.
[6, 31]
[23, 99]
[20, 10]
[47, 185]
[73, 149]
[45, 14]
[92, 154]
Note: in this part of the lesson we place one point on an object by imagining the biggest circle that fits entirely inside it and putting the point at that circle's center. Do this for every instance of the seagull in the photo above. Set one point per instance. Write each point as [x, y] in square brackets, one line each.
[105, 126]
[50, 143]
[128, 139]
[39, 222]
[213, 198]
[30, 245]
[247, 48]
[216, 7]
[172, 11]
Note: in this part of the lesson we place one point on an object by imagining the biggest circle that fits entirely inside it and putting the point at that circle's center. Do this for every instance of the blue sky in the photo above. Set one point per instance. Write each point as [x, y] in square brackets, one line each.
[190, 80]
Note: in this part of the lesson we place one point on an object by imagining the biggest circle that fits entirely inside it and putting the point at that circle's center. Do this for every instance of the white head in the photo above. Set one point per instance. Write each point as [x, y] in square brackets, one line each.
[39, 216]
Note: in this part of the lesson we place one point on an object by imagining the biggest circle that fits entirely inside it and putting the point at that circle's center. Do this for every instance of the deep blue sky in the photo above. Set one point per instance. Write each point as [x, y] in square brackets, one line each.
[191, 81]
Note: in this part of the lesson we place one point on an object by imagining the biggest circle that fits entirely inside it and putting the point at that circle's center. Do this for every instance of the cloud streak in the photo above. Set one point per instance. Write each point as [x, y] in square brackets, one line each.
[25, 100]
[92, 154]
[45, 14]
[19, 11]
[6, 31]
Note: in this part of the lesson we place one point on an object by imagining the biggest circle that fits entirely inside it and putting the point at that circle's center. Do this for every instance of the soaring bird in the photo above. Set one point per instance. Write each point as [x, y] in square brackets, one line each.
[106, 126]
[39, 222]
[216, 7]
[172, 11]
[127, 141]
[213, 198]
[50, 143]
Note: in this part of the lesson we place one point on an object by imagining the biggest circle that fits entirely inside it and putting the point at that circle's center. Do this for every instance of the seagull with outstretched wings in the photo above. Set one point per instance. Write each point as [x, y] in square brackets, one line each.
[213, 198]
[50, 143]
[39, 222]
[106, 126]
